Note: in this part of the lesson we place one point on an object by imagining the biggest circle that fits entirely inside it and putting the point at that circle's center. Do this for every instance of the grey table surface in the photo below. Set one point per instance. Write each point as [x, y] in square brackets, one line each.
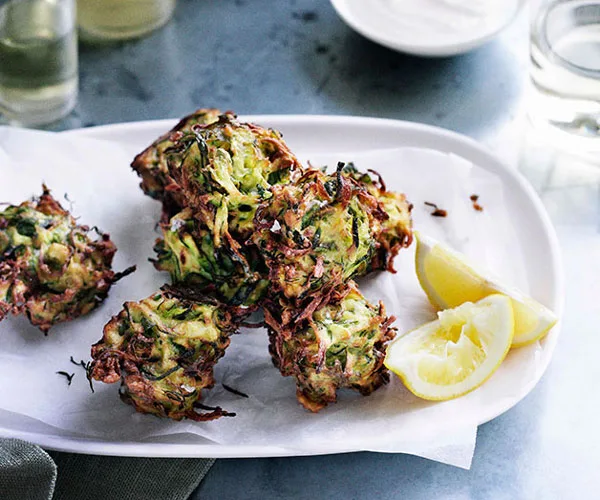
[297, 56]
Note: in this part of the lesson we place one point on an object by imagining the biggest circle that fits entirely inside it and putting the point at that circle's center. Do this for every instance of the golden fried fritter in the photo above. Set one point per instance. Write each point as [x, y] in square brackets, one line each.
[163, 349]
[339, 344]
[151, 164]
[50, 269]
[396, 228]
[234, 274]
[318, 232]
[225, 169]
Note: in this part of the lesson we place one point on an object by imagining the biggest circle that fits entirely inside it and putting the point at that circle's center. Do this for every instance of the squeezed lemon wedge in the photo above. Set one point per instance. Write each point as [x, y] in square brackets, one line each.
[456, 353]
[449, 280]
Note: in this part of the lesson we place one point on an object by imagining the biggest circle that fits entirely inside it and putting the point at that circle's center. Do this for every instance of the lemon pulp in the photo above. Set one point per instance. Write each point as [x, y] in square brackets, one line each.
[456, 353]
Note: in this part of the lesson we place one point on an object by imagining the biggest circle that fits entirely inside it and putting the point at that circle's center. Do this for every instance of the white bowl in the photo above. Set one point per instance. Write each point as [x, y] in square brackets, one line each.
[428, 27]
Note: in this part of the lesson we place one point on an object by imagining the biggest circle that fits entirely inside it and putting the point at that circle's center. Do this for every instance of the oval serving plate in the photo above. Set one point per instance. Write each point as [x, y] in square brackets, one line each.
[322, 134]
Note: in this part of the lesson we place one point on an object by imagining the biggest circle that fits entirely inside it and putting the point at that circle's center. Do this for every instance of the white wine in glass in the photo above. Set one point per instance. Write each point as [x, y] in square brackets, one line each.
[38, 60]
[108, 20]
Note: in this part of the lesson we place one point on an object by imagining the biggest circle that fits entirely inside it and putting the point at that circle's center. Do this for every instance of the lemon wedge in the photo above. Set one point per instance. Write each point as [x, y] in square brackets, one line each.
[456, 353]
[449, 280]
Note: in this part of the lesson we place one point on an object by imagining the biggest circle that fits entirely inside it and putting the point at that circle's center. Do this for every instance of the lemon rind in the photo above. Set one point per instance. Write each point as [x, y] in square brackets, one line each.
[547, 318]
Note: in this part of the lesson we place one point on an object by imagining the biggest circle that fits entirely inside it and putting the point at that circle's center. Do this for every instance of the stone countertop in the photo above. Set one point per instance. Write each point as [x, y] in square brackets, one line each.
[292, 57]
[297, 57]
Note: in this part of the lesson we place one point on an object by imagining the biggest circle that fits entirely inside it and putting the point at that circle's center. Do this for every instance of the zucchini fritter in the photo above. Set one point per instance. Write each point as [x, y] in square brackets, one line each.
[151, 164]
[234, 274]
[396, 228]
[163, 349]
[244, 223]
[50, 269]
[227, 169]
[340, 344]
[318, 232]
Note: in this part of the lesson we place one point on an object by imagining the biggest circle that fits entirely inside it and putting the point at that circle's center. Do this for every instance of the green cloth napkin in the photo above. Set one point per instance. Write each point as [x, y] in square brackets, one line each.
[28, 472]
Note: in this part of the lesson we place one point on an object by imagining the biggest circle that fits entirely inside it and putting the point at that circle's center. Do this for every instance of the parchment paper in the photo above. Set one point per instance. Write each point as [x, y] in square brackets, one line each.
[104, 192]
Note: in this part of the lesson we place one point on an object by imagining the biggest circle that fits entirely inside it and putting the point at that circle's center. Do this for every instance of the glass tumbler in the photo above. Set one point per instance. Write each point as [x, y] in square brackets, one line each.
[565, 69]
[112, 20]
[38, 60]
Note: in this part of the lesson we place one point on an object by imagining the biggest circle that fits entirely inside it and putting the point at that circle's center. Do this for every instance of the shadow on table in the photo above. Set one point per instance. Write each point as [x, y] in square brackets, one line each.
[504, 447]
[463, 93]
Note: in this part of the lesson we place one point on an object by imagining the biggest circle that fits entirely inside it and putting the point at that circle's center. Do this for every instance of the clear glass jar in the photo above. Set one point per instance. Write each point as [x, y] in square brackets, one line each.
[565, 70]
[38, 60]
[112, 20]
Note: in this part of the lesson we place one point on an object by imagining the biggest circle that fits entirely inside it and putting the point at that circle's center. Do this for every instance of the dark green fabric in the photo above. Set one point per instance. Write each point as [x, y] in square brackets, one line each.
[87, 477]
[26, 471]
[29, 473]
